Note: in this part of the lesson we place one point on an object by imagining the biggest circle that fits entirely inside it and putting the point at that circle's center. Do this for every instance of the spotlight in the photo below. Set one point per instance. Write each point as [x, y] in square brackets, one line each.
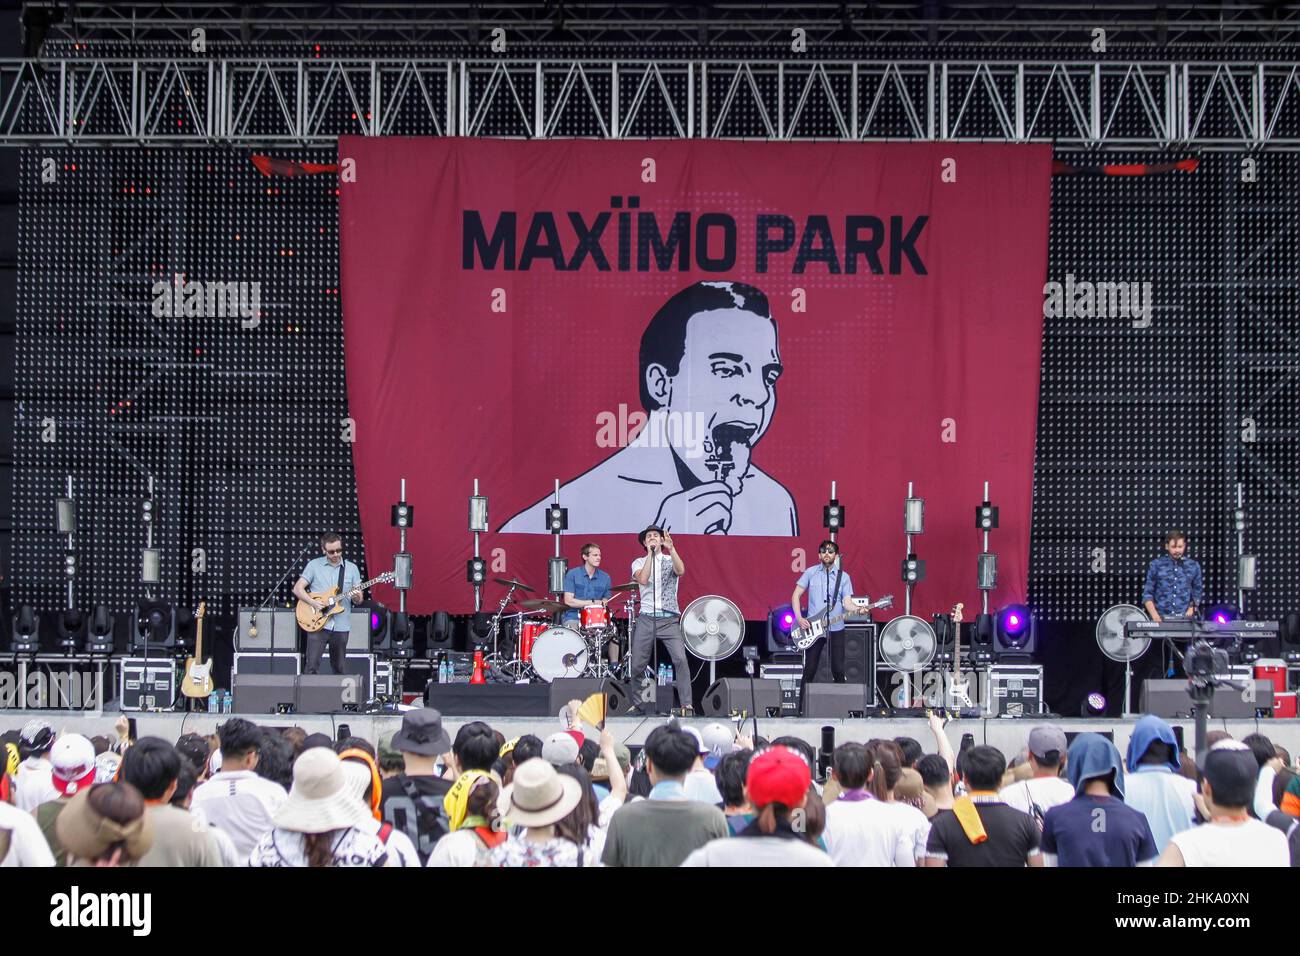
[1247, 565]
[986, 575]
[475, 570]
[65, 515]
[913, 569]
[150, 566]
[402, 515]
[1094, 705]
[69, 625]
[981, 643]
[156, 621]
[556, 569]
[440, 633]
[914, 516]
[986, 516]
[1221, 613]
[833, 515]
[26, 631]
[147, 512]
[70, 564]
[378, 625]
[401, 631]
[402, 569]
[99, 635]
[478, 513]
[1015, 632]
[780, 622]
[557, 519]
[1289, 637]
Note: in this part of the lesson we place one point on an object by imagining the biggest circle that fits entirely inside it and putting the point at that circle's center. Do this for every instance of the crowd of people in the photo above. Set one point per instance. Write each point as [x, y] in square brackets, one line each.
[276, 797]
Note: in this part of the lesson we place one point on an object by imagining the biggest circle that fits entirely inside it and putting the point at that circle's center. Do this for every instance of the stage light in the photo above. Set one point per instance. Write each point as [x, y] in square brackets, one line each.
[1094, 705]
[914, 516]
[557, 519]
[1247, 565]
[986, 516]
[556, 569]
[986, 574]
[1221, 613]
[478, 513]
[913, 570]
[833, 515]
[402, 570]
[1015, 632]
[401, 641]
[147, 512]
[402, 515]
[65, 515]
[475, 570]
[378, 624]
[150, 566]
[99, 634]
[440, 632]
[156, 621]
[69, 625]
[26, 634]
[780, 623]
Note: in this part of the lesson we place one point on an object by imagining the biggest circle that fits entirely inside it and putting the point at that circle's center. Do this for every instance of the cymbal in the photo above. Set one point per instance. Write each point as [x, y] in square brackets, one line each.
[544, 605]
[513, 584]
[631, 585]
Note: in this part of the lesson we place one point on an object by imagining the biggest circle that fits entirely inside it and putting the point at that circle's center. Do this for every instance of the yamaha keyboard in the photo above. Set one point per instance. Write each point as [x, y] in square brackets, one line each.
[1185, 630]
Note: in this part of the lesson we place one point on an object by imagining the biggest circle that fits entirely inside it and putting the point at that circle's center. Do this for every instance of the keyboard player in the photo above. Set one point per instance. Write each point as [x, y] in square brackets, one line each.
[1174, 585]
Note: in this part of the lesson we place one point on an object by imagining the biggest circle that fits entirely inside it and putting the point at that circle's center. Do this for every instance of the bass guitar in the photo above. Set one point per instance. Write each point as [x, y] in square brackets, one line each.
[815, 629]
[958, 695]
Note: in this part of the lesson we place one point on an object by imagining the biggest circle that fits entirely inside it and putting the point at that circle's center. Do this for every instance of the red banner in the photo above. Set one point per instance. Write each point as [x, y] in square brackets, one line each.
[703, 334]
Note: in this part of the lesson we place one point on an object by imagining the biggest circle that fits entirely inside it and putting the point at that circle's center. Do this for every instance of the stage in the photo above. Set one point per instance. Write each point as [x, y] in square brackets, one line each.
[1007, 734]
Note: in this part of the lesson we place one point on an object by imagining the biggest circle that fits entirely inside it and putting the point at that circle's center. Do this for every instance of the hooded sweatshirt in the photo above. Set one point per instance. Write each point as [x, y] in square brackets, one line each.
[1158, 790]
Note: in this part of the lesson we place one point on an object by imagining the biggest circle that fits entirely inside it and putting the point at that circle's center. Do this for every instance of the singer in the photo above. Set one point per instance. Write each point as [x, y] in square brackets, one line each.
[321, 574]
[657, 575]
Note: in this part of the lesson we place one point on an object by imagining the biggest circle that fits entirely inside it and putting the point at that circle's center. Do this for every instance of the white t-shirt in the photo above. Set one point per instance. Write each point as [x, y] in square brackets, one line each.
[27, 846]
[868, 833]
[770, 851]
[241, 804]
[1251, 843]
[401, 850]
[1047, 792]
[914, 823]
[459, 849]
[34, 784]
[351, 848]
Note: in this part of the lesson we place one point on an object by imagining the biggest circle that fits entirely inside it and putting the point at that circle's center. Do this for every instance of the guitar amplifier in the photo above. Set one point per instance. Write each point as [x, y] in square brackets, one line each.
[276, 627]
[259, 663]
[146, 684]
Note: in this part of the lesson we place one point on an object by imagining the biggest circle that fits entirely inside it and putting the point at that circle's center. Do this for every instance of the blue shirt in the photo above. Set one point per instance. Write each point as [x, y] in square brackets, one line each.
[1174, 586]
[585, 588]
[1097, 831]
[1164, 797]
[320, 575]
[814, 582]
[668, 790]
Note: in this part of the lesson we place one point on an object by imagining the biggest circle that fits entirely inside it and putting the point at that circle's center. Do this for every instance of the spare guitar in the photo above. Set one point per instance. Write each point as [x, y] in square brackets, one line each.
[311, 620]
[804, 638]
[197, 681]
[958, 695]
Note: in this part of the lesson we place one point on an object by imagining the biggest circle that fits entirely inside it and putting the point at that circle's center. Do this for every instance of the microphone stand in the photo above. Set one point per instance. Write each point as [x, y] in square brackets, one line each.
[252, 621]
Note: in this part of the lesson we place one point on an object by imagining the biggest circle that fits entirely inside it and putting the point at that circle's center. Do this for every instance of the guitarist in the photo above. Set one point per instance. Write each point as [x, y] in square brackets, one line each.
[828, 588]
[321, 574]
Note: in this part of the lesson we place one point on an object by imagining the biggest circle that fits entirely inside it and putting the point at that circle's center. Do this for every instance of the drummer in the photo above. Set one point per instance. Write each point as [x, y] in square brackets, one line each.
[585, 585]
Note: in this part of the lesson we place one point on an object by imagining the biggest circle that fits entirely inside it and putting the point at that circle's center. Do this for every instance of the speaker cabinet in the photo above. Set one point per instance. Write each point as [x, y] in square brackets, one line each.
[859, 655]
[732, 695]
[1168, 698]
[263, 693]
[838, 701]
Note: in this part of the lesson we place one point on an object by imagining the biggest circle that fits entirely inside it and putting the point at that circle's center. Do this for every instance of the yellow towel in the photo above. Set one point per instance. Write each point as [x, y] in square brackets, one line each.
[969, 819]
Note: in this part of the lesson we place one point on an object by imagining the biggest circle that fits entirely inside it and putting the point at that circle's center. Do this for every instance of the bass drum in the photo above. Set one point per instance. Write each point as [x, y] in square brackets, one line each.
[559, 652]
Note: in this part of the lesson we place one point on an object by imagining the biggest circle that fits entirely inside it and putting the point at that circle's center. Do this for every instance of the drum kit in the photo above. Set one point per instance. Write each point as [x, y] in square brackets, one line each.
[527, 644]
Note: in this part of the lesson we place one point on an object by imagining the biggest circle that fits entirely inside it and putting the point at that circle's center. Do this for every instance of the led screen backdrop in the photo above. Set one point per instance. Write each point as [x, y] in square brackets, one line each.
[702, 334]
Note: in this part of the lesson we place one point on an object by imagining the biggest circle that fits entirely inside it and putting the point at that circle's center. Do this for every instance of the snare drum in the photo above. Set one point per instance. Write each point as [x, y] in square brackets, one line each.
[594, 617]
[529, 631]
[559, 652]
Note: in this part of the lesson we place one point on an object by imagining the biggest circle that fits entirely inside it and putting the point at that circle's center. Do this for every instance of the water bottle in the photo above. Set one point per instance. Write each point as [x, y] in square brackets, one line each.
[668, 675]
[212, 703]
[444, 671]
[228, 703]
[663, 674]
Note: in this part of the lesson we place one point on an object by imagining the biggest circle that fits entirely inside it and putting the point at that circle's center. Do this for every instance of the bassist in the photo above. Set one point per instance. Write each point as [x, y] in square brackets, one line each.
[828, 587]
[322, 573]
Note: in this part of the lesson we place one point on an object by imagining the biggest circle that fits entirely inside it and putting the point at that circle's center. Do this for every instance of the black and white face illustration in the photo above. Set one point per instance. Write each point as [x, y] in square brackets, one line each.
[723, 388]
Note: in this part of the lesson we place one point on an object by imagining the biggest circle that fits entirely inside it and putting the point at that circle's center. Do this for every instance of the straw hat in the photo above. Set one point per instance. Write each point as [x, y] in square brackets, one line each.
[539, 796]
[87, 834]
[320, 799]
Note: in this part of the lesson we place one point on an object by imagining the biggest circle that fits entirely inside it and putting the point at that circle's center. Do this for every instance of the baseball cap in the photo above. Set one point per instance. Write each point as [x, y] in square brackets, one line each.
[599, 770]
[778, 775]
[73, 761]
[719, 741]
[36, 736]
[700, 747]
[560, 749]
[1046, 738]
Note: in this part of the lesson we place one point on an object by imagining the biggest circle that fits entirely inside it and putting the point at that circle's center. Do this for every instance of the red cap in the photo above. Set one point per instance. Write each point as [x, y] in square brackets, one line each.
[778, 775]
[578, 736]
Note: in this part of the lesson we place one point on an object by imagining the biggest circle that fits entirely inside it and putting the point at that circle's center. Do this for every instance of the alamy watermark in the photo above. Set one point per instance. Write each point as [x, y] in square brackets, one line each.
[1098, 300]
[682, 431]
[208, 300]
[60, 690]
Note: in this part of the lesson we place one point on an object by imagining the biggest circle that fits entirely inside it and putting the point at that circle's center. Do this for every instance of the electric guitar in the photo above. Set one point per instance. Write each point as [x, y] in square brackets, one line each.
[312, 620]
[807, 636]
[197, 681]
[958, 695]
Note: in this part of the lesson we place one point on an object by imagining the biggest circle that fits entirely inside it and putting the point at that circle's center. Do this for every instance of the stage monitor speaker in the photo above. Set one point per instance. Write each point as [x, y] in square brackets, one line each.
[263, 693]
[274, 624]
[731, 695]
[859, 655]
[565, 689]
[840, 701]
[1168, 698]
[329, 693]
[619, 699]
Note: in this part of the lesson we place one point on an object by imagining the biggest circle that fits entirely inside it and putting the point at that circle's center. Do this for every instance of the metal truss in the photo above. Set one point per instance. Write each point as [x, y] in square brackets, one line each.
[1088, 105]
[899, 21]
